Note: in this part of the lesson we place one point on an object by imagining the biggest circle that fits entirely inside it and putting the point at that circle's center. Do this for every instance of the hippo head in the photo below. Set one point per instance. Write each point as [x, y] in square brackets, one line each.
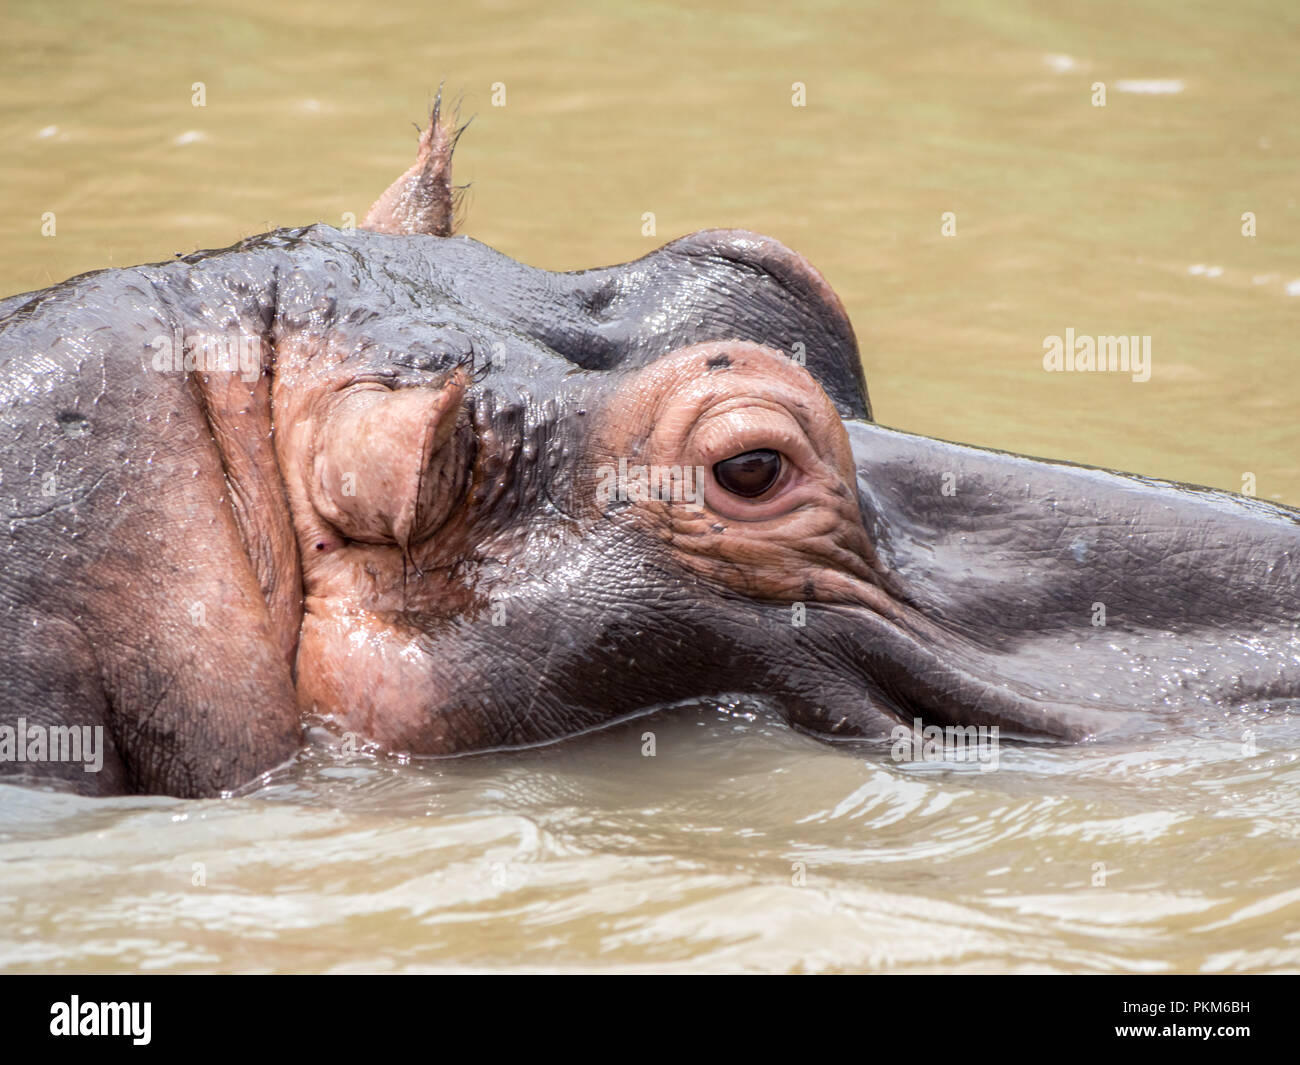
[538, 503]
[530, 503]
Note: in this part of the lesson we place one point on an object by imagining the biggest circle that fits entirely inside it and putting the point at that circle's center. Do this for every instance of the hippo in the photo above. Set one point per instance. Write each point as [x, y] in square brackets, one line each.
[390, 479]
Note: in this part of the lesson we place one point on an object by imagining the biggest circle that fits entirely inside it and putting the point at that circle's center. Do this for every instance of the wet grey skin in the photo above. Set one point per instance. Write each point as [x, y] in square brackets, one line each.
[125, 509]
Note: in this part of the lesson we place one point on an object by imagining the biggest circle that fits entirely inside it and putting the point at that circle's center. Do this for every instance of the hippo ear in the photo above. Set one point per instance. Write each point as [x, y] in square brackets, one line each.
[384, 468]
[423, 199]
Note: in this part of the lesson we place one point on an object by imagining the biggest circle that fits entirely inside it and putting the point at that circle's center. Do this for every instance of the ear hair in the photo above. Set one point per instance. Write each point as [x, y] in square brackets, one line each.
[423, 200]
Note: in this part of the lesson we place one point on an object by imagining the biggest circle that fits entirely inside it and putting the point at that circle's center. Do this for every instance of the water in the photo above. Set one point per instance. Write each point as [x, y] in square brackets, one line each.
[739, 845]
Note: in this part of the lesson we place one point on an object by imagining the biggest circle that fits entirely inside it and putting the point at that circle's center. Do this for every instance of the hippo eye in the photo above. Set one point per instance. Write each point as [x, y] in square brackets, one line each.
[750, 474]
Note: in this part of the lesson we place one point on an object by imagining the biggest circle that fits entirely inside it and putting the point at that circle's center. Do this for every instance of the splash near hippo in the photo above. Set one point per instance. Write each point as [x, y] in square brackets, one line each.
[450, 503]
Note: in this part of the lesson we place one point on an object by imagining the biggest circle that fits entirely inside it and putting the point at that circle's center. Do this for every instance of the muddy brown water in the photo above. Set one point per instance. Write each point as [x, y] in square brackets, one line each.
[739, 844]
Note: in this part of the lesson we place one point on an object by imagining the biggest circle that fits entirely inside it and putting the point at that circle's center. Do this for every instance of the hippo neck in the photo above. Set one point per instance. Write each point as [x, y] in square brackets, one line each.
[239, 414]
[222, 307]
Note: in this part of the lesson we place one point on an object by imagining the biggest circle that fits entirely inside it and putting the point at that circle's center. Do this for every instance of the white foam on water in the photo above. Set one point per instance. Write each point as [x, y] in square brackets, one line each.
[1062, 64]
[1150, 86]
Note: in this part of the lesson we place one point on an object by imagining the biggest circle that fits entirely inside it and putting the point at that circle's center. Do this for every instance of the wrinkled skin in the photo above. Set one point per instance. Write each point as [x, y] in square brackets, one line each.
[397, 520]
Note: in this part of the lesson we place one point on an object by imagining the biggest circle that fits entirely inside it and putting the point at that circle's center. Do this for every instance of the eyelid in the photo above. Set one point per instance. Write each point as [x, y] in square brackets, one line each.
[734, 429]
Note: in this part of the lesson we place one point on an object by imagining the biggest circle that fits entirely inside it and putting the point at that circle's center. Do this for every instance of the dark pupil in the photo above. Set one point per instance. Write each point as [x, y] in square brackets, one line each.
[750, 474]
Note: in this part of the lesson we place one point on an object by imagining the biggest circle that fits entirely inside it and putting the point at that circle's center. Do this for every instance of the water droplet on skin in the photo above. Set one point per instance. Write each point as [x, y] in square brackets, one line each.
[73, 424]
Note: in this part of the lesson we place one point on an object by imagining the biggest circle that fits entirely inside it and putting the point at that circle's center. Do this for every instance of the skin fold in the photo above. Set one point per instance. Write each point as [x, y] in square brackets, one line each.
[391, 506]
